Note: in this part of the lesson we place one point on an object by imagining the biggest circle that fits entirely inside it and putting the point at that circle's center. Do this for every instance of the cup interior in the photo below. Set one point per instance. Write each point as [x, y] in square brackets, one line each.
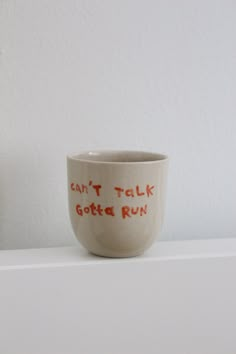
[118, 156]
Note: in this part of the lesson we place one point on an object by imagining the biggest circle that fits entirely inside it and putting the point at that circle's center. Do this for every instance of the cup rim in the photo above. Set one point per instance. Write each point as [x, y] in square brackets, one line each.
[154, 157]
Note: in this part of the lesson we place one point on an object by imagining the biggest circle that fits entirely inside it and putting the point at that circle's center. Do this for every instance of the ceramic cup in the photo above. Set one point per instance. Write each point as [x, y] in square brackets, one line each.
[116, 200]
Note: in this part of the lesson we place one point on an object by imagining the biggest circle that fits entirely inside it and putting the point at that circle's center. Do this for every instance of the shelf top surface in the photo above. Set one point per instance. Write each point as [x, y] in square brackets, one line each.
[77, 256]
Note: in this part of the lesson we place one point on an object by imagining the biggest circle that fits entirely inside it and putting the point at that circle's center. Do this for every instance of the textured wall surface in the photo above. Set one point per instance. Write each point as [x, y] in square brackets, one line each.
[152, 75]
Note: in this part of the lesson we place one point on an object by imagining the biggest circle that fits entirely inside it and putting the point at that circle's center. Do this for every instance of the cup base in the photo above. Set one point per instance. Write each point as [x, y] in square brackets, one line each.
[114, 255]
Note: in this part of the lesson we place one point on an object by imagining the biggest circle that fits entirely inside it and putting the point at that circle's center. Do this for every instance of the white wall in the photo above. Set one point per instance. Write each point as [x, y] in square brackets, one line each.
[152, 75]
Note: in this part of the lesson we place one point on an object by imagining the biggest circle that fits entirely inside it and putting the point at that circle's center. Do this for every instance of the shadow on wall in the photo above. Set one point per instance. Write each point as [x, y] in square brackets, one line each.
[33, 203]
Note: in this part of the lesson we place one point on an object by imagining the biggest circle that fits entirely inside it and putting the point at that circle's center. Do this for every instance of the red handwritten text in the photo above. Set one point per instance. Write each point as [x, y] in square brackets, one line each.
[134, 192]
[83, 188]
[127, 211]
[94, 209]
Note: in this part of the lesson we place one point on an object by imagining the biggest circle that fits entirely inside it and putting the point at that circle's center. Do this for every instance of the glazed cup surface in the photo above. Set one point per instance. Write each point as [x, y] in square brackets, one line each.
[116, 200]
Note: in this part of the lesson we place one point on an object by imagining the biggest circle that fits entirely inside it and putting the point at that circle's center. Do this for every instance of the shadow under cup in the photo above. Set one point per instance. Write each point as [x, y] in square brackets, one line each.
[116, 200]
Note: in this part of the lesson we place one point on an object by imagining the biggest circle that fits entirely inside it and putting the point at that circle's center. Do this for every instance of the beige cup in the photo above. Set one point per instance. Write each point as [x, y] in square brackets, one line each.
[116, 200]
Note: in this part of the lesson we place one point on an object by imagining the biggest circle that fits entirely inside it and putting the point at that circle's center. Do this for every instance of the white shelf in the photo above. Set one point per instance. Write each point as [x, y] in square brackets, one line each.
[178, 298]
[76, 256]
